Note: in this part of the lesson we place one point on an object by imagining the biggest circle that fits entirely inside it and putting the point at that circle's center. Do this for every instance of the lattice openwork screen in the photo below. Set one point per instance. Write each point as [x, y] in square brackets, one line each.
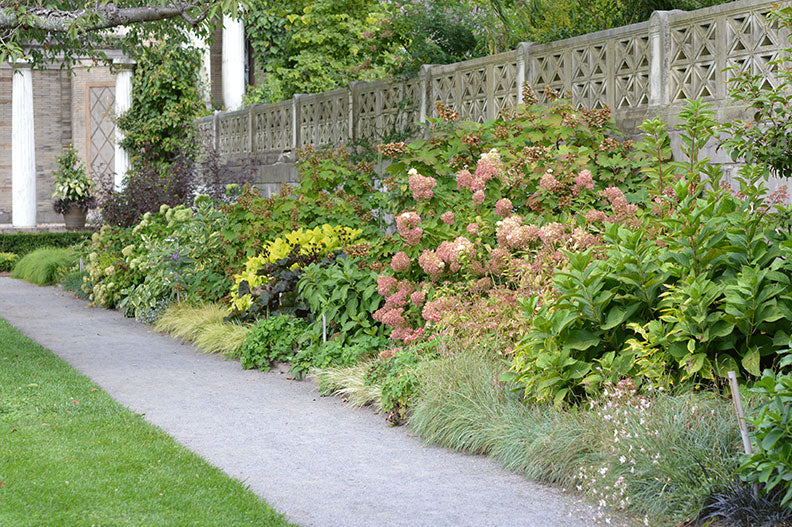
[101, 130]
[233, 130]
[478, 89]
[324, 119]
[385, 109]
[272, 127]
[753, 42]
[631, 70]
[694, 69]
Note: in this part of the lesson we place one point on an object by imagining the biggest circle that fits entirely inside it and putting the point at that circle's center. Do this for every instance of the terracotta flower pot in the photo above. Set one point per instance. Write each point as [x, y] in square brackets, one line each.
[74, 218]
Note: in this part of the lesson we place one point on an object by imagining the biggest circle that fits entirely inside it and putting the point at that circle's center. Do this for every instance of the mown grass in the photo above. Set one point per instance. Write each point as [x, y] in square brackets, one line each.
[670, 451]
[43, 266]
[71, 455]
[204, 326]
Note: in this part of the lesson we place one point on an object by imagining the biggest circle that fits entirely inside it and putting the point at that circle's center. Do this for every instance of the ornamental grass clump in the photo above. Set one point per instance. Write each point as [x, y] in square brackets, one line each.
[44, 266]
[204, 325]
[656, 457]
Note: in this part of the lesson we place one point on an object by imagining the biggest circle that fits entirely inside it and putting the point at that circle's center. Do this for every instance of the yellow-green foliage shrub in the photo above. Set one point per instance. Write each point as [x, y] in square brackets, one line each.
[314, 244]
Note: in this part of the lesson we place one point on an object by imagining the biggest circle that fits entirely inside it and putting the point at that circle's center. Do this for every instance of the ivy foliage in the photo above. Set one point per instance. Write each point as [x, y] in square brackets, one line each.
[165, 101]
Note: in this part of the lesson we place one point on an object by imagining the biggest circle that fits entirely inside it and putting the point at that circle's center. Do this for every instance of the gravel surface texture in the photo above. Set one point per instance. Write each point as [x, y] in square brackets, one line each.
[313, 458]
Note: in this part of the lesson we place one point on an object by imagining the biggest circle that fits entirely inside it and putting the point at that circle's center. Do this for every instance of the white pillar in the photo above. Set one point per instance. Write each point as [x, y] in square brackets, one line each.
[23, 148]
[123, 101]
[233, 63]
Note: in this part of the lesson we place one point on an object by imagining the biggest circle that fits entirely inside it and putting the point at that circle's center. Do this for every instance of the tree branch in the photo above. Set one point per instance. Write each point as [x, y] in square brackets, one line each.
[102, 17]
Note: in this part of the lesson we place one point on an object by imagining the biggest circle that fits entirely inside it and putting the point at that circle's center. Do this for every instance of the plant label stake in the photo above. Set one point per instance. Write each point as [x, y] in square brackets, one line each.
[324, 329]
[82, 266]
[741, 420]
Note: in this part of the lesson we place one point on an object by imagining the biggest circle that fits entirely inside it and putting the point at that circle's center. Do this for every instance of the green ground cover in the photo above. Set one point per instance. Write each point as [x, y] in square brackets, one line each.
[71, 455]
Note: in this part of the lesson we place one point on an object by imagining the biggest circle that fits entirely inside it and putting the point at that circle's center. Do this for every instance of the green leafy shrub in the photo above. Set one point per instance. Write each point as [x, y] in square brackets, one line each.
[771, 463]
[688, 292]
[183, 263]
[21, 243]
[7, 261]
[44, 266]
[332, 190]
[271, 340]
[314, 354]
[399, 378]
[346, 294]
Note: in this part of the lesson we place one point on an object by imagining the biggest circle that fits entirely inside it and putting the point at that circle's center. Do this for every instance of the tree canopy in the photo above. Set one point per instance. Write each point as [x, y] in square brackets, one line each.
[68, 30]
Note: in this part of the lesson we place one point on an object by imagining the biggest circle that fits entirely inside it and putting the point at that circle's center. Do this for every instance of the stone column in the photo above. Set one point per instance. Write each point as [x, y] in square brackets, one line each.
[233, 63]
[23, 148]
[123, 101]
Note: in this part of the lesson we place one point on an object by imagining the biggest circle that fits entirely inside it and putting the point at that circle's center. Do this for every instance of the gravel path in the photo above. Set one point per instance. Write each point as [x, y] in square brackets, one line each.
[317, 460]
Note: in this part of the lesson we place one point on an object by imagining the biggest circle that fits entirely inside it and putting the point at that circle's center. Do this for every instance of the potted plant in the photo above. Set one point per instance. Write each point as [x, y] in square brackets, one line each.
[73, 189]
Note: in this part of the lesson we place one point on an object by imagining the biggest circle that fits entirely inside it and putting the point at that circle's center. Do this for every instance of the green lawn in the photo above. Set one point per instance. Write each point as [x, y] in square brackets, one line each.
[71, 455]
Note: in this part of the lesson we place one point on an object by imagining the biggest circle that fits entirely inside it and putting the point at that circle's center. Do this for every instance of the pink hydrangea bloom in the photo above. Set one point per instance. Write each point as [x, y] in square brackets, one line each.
[552, 233]
[394, 317]
[418, 298]
[472, 229]
[400, 262]
[596, 216]
[447, 218]
[585, 180]
[412, 237]
[446, 252]
[548, 182]
[489, 166]
[386, 284]
[512, 234]
[406, 221]
[398, 299]
[464, 179]
[431, 264]
[433, 311]
[477, 184]
[405, 285]
[478, 197]
[499, 260]
[406, 335]
[504, 207]
[421, 186]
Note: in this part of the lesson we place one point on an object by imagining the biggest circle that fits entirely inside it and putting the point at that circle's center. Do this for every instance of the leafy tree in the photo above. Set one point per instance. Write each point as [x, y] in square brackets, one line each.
[67, 30]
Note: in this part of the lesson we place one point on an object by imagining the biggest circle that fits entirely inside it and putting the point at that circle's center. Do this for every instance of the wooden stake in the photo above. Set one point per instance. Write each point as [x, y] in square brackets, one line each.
[735, 391]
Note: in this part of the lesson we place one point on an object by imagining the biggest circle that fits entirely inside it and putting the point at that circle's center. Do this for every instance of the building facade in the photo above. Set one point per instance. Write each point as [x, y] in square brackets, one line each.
[46, 108]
